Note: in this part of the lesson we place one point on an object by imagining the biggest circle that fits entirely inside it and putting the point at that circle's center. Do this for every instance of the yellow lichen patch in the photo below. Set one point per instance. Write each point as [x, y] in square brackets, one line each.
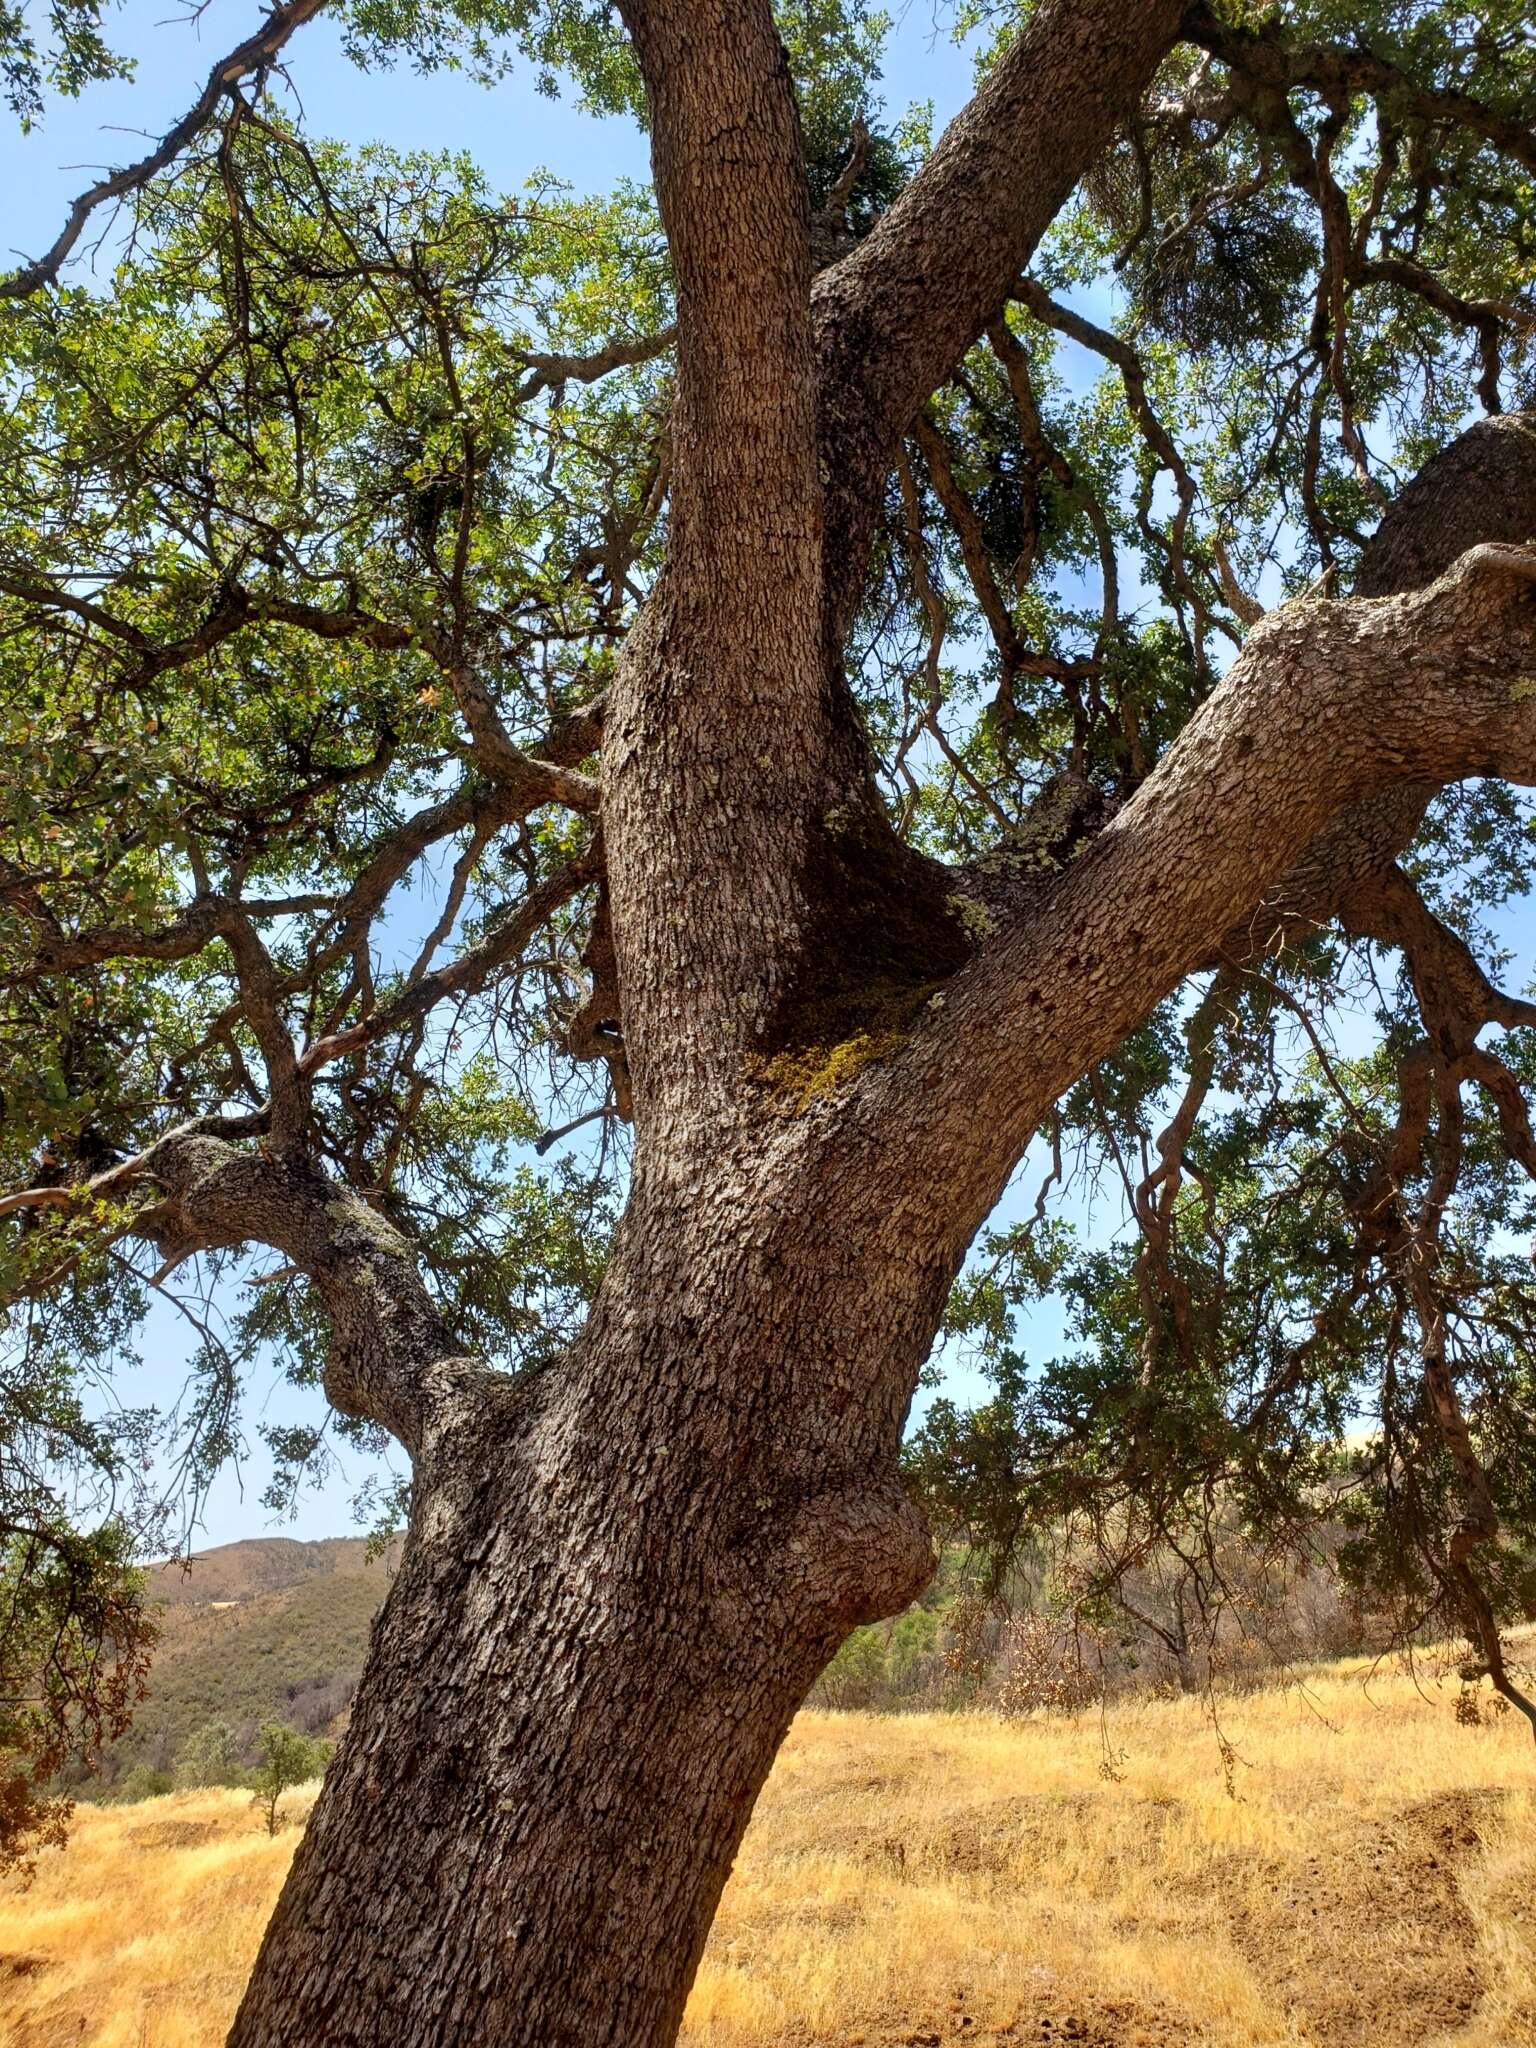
[807, 1073]
[836, 1038]
[974, 918]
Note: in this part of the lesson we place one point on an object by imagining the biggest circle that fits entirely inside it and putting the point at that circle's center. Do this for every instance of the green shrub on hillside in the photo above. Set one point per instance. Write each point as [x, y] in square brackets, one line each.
[144, 1783]
[293, 1655]
[210, 1756]
[886, 1665]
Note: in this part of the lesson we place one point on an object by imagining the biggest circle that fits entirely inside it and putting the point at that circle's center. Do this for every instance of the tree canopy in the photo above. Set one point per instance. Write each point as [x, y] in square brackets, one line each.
[325, 515]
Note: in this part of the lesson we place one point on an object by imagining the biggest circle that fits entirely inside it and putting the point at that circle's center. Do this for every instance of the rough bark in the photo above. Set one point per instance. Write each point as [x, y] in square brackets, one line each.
[716, 740]
[623, 1574]
[621, 1577]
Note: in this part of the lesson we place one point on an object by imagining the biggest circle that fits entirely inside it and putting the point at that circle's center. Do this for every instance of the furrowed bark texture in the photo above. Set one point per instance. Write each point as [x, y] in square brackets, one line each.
[622, 1573]
[621, 1576]
[715, 745]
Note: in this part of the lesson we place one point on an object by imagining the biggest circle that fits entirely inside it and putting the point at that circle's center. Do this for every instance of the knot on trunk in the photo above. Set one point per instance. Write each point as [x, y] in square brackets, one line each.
[856, 1553]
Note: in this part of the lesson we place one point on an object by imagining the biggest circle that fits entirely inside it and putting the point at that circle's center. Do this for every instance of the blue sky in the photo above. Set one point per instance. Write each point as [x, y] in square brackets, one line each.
[510, 129]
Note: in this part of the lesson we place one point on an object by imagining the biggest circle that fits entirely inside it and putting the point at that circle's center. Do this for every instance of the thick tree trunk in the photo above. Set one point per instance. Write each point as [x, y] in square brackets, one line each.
[524, 1837]
[622, 1576]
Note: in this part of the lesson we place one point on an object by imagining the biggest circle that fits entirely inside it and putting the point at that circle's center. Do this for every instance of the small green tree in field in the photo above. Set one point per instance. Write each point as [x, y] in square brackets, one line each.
[210, 1756]
[287, 1759]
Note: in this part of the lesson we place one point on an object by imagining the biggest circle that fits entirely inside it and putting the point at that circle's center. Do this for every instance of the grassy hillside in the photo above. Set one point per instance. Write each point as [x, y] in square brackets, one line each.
[926, 1879]
[254, 1629]
[296, 1654]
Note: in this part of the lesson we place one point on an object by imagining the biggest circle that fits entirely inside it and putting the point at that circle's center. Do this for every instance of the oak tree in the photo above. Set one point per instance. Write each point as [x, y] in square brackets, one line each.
[871, 650]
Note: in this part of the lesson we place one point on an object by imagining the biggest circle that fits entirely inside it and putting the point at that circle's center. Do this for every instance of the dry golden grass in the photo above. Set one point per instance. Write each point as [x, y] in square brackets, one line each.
[926, 1879]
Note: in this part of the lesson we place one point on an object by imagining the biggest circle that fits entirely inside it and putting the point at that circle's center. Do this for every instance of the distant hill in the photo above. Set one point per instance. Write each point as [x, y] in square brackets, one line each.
[265, 1564]
[270, 1626]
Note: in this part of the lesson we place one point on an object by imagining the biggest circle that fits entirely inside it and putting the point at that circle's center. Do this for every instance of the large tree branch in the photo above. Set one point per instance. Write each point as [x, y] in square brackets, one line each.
[1480, 488]
[721, 733]
[116, 1182]
[552, 372]
[392, 1358]
[1328, 706]
[726, 155]
[895, 317]
[390, 1350]
[261, 994]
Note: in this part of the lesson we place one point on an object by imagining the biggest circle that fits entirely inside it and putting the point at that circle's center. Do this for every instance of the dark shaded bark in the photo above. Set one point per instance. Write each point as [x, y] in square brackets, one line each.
[621, 1577]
